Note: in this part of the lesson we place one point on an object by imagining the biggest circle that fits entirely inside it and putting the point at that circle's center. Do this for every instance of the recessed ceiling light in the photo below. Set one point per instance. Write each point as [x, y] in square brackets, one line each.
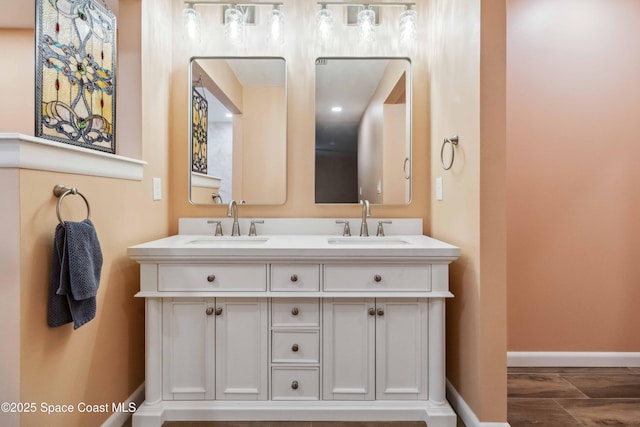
[228, 115]
[336, 109]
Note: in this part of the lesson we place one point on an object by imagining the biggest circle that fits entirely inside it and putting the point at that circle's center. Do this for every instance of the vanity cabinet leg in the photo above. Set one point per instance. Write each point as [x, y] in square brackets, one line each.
[153, 351]
[436, 351]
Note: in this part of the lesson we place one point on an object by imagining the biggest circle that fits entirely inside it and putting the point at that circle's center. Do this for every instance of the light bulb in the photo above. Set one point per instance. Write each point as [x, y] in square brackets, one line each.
[233, 24]
[408, 26]
[324, 22]
[191, 22]
[366, 22]
[276, 24]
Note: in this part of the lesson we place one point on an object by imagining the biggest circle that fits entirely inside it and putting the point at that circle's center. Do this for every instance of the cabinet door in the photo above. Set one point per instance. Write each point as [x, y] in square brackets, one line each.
[401, 349]
[348, 350]
[241, 349]
[188, 340]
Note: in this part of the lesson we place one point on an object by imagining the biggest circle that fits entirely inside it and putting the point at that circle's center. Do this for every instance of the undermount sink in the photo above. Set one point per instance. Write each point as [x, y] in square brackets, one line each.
[228, 241]
[362, 241]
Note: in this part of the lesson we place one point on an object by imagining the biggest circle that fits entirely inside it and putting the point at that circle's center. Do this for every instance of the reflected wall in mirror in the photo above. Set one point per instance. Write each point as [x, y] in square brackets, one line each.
[238, 130]
[363, 130]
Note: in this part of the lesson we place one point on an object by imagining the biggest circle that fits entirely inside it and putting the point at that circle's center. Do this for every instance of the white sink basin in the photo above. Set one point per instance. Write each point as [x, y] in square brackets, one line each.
[364, 241]
[228, 241]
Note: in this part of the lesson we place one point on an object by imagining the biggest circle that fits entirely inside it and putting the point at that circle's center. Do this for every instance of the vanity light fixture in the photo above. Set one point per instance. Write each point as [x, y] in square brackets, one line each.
[408, 26]
[191, 22]
[276, 25]
[236, 16]
[366, 23]
[324, 22]
[366, 19]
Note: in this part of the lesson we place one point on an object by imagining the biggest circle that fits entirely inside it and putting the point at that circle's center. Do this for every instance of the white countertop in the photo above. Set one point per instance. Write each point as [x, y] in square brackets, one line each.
[195, 247]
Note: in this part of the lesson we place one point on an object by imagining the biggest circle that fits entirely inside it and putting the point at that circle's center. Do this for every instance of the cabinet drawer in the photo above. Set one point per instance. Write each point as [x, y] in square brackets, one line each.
[295, 383]
[295, 277]
[377, 277]
[295, 347]
[212, 277]
[288, 312]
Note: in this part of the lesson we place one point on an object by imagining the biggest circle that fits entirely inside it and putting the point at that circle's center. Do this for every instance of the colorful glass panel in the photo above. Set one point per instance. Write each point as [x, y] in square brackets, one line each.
[75, 73]
[199, 126]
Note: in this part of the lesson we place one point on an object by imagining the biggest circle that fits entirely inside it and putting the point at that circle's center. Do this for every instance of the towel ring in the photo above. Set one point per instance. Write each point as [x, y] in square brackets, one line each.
[61, 191]
[407, 175]
[453, 141]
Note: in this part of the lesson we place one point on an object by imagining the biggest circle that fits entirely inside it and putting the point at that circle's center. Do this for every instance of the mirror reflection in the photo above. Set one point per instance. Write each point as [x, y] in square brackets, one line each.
[238, 132]
[363, 130]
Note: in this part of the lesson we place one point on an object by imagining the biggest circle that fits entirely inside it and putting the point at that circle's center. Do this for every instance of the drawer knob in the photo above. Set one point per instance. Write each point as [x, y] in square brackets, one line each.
[294, 385]
[372, 311]
[211, 278]
[377, 278]
[294, 277]
[295, 311]
[218, 311]
[380, 312]
[209, 311]
[295, 348]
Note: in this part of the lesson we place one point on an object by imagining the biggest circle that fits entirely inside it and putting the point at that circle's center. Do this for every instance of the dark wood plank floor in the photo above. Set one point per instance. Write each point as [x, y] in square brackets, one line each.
[573, 397]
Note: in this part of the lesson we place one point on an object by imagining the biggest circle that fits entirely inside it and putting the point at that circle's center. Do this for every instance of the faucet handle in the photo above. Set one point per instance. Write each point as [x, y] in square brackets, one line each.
[347, 229]
[218, 226]
[252, 228]
[380, 232]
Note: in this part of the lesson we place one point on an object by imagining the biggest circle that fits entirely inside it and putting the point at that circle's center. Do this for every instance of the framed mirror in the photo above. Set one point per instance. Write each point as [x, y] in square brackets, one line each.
[363, 130]
[238, 130]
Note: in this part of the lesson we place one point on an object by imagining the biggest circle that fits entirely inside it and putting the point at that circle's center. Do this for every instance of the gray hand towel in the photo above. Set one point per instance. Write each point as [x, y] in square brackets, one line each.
[76, 263]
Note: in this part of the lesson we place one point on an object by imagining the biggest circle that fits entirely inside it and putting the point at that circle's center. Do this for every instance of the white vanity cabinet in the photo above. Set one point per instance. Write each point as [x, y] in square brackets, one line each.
[295, 331]
[214, 348]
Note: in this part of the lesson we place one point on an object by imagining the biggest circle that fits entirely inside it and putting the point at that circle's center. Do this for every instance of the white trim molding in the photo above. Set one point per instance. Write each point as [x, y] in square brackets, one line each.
[465, 413]
[28, 152]
[572, 359]
[205, 181]
[117, 419]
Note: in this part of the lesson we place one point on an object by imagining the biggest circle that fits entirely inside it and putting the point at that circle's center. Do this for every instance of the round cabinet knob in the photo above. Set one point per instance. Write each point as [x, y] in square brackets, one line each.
[211, 278]
[377, 278]
[209, 311]
[380, 312]
[294, 277]
[294, 385]
[372, 311]
[295, 311]
[295, 348]
[218, 311]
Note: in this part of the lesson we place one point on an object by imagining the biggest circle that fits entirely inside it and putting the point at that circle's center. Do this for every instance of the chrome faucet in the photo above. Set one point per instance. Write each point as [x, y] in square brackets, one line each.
[232, 210]
[366, 212]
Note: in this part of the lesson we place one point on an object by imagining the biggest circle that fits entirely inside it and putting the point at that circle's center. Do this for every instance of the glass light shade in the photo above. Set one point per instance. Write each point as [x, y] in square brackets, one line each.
[276, 26]
[191, 22]
[324, 23]
[408, 26]
[233, 25]
[366, 22]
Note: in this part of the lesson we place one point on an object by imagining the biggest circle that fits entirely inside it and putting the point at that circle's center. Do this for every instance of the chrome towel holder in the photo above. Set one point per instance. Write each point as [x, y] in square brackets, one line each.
[453, 141]
[61, 191]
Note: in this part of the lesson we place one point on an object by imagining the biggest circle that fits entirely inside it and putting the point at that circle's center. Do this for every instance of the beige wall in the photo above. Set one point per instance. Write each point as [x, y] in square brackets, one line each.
[573, 173]
[103, 361]
[467, 93]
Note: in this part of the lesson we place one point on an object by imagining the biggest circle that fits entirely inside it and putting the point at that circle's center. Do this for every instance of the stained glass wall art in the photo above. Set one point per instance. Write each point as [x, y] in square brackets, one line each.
[76, 73]
[199, 125]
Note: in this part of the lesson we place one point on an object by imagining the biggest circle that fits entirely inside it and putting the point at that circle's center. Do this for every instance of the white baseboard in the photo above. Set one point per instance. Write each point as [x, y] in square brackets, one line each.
[572, 359]
[117, 419]
[465, 413]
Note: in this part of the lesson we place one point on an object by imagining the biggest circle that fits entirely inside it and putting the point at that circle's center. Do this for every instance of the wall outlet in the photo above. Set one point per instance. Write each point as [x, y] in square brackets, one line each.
[439, 188]
[157, 189]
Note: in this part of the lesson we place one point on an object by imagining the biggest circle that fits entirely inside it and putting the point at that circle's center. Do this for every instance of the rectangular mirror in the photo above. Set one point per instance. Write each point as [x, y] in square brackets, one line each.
[363, 130]
[238, 130]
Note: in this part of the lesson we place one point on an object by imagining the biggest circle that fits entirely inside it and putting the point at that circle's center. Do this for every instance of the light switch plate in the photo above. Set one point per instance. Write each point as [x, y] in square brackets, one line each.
[157, 189]
[439, 188]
